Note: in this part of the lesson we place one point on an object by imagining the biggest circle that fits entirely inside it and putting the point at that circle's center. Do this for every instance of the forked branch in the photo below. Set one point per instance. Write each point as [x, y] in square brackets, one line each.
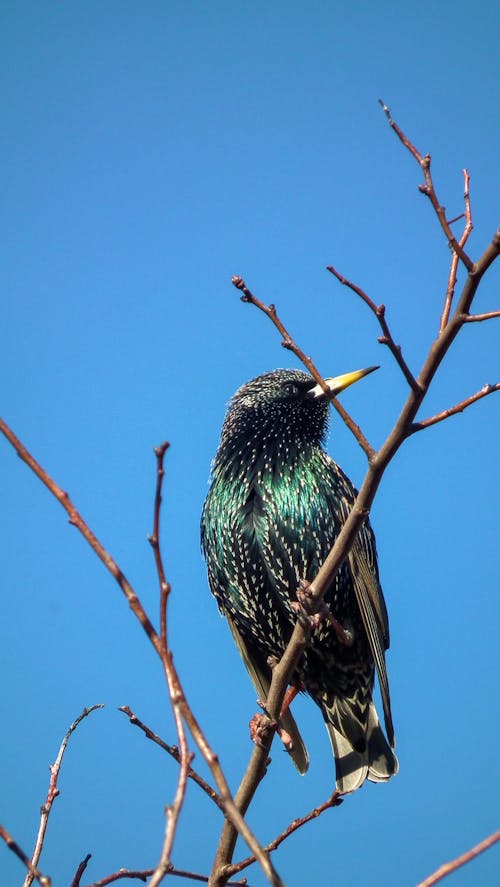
[452, 277]
[386, 337]
[424, 161]
[333, 801]
[43, 880]
[458, 408]
[174, 753]
[52, 794]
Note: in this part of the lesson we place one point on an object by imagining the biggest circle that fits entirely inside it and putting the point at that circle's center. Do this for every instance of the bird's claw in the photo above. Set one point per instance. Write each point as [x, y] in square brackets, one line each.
[260, 727]
[286, 739]
[261, 724]
[303, 606]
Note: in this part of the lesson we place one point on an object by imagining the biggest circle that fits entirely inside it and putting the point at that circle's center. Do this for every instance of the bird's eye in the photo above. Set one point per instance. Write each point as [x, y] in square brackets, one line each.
[291, 389]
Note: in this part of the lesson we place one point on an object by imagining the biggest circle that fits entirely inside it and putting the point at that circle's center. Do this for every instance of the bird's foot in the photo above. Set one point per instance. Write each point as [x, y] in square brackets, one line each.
[290, 695]
[261, 725]
[286, 739]
[305, 607]
[345, 633]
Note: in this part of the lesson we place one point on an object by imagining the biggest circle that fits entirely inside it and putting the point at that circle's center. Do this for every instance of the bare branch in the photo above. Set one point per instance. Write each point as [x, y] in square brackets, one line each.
[80, 870]
[478, 318]
[123, 873]
[173, 751]
[452, 277]
[333, 801]
[173, 811]
[43, 880]
[77, 521]
[448, 867]
[428, 188]
[289, 343]
[154, 540]
[458, 408]
[146, 873]
[53, 792]
[193, 876]
[379, 312]
[475, 276]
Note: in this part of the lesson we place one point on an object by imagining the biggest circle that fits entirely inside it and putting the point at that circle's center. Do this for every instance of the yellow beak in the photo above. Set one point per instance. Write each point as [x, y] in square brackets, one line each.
[338, 383]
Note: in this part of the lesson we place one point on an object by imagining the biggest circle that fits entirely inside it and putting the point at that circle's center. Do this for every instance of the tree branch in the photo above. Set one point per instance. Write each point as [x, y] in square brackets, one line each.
[173, 751]
[448, 867]
[428, 188]
[379, 312]
[146, 873]
[452, 277]
[458, 408]
[52, 794]
[478, 318]
[77, 521]
[333, 801]
[43, 880]
[154, 540]
[289, 343]
[80, 870]
[173, 811]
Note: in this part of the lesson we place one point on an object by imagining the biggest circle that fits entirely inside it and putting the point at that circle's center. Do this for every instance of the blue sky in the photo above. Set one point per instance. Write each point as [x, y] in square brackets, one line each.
[151, 151]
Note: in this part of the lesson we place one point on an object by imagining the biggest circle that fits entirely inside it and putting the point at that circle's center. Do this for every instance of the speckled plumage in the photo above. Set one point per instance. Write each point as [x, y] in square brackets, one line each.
[275, 506]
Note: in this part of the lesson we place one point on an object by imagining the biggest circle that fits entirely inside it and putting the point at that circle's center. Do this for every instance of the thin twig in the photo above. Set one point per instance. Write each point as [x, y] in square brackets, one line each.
[143, 875]
[43, 880]
[173, 751]
[289, 343]
[135, 874]
[77, 521]
[333, 801]
[193, 876]
[154, 540]
[448, 867]
[452, 277]
[478, 318]
[173, 810]
[386, 338]
[458, 408]
[53, 792]
[80, 870]
[428, 189]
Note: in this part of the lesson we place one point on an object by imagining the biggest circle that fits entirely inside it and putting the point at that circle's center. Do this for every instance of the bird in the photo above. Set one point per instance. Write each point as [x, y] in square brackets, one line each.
[275, 506]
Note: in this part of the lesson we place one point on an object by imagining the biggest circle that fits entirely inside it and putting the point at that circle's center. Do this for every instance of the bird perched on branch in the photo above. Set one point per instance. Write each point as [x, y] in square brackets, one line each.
[275, 506]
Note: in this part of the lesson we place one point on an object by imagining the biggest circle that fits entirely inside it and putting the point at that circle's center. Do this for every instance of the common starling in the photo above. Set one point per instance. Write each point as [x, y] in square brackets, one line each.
[275, 506]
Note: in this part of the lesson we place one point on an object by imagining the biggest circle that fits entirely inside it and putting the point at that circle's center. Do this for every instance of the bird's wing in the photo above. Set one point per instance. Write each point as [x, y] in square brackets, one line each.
[261, 682]
[373, 613]
[362, 561]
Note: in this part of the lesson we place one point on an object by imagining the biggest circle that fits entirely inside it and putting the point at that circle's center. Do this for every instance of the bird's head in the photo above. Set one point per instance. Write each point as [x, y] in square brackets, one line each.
[283, 405]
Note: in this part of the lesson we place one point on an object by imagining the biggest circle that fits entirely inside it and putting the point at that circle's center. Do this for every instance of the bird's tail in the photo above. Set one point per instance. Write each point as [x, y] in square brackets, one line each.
[359, 745]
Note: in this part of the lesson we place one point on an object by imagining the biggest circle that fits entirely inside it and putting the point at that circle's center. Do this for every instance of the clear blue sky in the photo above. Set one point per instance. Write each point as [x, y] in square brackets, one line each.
[149, 152]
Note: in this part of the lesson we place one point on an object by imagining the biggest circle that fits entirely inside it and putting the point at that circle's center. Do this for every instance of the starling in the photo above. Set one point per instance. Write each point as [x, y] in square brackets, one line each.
[275, 506]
